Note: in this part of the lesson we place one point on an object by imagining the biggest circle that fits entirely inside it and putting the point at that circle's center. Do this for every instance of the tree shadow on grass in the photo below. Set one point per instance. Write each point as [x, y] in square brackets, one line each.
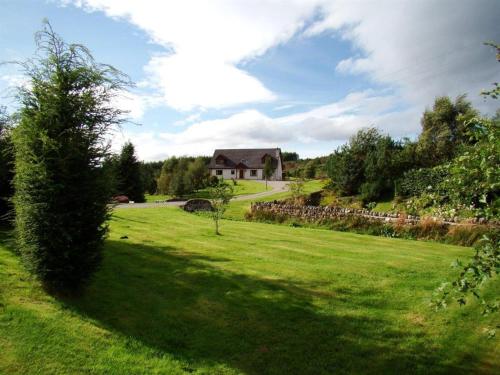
[183, 304]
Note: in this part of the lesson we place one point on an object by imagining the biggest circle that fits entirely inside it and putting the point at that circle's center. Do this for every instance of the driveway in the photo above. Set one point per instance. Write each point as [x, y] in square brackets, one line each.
[273, 188]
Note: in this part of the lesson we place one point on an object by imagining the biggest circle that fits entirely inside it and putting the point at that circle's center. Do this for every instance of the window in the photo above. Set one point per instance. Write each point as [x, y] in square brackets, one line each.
[253, 172]
[232, 171]
[218, 172]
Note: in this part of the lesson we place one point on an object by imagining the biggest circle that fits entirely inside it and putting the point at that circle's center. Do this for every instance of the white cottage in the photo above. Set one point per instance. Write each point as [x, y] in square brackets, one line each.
[247, 164]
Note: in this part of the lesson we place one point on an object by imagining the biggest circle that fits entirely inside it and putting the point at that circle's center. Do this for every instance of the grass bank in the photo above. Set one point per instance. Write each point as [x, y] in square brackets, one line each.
[260, 299]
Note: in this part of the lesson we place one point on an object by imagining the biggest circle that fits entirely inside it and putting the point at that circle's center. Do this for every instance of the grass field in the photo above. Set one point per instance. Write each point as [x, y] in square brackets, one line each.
[243, 187]
[173, 298]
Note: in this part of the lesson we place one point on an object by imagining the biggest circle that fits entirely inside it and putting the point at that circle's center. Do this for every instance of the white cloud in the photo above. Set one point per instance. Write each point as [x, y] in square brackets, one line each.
[14, 80]
[135, 104]
[188, 120]
[418, 49]
[332, 123]
[208, 42]
[424, 48]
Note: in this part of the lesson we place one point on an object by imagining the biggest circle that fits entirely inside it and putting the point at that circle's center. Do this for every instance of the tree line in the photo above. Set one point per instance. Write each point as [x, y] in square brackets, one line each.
[375, 166]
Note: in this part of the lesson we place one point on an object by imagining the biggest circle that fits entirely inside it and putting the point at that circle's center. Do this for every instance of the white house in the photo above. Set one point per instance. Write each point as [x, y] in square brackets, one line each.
[247, 164]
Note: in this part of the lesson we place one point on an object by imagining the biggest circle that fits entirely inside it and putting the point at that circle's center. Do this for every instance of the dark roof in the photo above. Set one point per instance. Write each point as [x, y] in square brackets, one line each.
[248, 157]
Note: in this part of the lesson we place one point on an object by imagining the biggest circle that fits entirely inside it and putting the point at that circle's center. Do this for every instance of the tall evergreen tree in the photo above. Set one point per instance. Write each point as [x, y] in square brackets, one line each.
[61, 188]
[129, 176]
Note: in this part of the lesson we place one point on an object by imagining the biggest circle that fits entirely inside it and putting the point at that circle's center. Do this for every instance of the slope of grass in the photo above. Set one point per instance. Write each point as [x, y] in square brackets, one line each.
[242, 187]
[173, 298]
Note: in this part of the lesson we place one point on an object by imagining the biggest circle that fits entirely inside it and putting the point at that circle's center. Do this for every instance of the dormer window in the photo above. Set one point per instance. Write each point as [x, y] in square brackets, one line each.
[221, 160]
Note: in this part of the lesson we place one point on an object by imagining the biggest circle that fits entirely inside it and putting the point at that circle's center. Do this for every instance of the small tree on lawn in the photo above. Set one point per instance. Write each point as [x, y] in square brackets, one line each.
[61, 187]
[220, 195]
[297, 189]
[268, 169]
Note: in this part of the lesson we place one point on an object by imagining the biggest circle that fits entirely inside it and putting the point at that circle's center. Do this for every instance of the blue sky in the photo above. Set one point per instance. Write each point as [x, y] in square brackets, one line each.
[300, 75]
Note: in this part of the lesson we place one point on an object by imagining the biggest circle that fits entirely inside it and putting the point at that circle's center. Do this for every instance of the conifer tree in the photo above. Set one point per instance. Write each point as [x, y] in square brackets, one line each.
[61, 188]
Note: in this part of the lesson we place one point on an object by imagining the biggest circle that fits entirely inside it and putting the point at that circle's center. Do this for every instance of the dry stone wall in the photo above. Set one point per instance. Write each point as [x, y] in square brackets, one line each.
[318, 213]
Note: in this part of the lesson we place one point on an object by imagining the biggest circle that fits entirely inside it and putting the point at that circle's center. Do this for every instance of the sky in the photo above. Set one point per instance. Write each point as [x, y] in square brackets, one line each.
[300, 75]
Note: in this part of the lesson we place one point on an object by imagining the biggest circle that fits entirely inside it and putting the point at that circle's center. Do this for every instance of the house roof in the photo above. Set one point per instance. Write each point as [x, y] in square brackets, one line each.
[245, 157]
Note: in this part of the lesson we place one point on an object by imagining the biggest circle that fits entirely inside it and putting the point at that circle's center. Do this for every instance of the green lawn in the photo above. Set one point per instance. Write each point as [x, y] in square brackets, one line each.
[243, 187]
[174, 298]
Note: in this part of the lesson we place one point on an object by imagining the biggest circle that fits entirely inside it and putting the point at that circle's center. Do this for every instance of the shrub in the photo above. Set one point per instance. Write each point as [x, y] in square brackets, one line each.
[418, 181]
[213, 181]
[61, 188]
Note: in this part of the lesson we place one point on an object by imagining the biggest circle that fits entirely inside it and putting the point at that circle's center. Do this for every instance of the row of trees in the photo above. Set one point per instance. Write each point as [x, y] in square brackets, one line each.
[371, 163]
[176, 176]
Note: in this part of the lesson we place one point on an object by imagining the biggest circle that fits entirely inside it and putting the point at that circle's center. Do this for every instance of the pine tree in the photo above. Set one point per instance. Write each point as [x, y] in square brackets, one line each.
[129, 177]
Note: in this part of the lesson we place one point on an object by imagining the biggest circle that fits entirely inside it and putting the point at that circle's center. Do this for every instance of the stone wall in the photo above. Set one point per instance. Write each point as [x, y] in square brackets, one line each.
[318, 213]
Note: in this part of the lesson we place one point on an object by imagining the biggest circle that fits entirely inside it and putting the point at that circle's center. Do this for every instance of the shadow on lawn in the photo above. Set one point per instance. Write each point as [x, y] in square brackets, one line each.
[182, 304]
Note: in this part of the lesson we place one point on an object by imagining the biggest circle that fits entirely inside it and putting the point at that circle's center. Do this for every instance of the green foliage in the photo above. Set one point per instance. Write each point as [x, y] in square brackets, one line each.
[150, 172]
[61, 188]
[289, 156]
[482, 267]
[268, 168]
[180, 183]
[444, 130]
[474, 179]
[418, 181]
[129, 177]
[296, 188]
[369, 165]
[219, 196]
[197, 173]
[6, 168]
[495, 91]
[182, 176]
[310, 169]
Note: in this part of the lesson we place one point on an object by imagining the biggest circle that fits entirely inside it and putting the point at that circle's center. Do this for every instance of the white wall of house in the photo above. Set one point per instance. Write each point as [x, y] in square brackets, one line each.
[247, 174]
[226, 173]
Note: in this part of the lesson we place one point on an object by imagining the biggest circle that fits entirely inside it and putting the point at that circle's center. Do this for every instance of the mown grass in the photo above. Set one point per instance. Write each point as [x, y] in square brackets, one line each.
[174, 298]
[242, 187]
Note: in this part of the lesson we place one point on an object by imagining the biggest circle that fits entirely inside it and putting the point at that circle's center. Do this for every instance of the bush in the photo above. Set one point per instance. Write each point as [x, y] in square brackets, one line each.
[213, 181]
[61, 188]
[418, 181]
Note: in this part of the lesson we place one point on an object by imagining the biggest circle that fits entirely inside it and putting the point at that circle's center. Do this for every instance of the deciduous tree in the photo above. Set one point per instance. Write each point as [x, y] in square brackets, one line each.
[220, 195]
